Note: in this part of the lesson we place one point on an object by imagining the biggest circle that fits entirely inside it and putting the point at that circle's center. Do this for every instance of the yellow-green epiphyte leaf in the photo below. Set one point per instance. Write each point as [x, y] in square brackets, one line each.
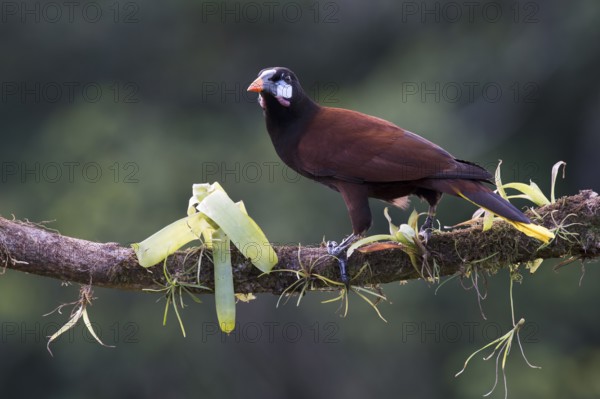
[169, 239]
[242, 207]
[199, 192]
[240, 228]
[206, 228]
[476, 215]
[90, 327]
[245, 297]
[534, 264]
[413, 220]
[75, 316]
[224, 295]
[393, 227]
[555, 170]
[498, 181]
[488, 220]
[406, 235]
[78, 312]
[531, 192]
[369, 240]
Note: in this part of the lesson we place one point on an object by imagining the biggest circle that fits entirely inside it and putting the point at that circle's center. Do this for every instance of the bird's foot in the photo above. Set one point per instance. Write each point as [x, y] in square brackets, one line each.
[426, 229]
[339, 251]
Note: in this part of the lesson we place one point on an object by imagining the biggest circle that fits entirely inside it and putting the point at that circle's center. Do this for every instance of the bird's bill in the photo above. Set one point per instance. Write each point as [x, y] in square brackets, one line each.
[256, 86]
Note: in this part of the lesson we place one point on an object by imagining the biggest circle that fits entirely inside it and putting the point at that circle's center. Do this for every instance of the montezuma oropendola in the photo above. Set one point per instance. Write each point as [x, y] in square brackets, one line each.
[362, 156]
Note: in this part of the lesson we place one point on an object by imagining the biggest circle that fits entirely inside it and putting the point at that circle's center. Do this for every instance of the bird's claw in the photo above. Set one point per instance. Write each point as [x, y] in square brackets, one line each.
[339, 251]
[332, 248]
[426, 234]
[426, 229]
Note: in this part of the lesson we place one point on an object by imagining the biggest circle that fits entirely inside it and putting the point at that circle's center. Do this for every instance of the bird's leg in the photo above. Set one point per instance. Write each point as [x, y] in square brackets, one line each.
[427, 227]
[339, 251]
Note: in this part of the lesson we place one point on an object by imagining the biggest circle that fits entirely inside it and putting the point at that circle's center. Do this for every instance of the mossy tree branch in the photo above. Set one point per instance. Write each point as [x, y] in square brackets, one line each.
[33, 249]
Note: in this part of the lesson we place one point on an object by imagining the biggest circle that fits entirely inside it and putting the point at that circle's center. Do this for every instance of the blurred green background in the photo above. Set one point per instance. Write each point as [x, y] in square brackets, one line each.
[111, 111]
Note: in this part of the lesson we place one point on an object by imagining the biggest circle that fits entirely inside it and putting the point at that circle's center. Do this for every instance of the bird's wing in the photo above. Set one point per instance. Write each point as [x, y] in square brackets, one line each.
[355, 147]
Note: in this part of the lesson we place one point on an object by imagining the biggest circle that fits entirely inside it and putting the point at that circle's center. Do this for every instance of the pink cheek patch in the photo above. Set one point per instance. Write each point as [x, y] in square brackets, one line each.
[283, 101]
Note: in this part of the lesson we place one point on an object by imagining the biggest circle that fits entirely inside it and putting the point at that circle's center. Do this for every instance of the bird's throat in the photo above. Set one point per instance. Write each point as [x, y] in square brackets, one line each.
[283, 101]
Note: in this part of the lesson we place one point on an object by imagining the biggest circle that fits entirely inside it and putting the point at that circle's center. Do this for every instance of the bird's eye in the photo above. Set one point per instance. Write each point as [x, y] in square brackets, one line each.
[287, 78]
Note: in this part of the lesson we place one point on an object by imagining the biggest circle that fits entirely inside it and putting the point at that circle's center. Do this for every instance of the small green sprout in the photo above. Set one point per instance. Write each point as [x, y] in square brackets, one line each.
[408, 240]
[174, 289]
[306, 279]
[78, 312]
[473, 272]
[362, 292]
[503, 345]
[531, 192]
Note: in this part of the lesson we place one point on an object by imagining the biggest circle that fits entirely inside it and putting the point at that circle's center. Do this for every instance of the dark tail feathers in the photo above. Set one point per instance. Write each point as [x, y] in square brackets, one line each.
[481, 195]
[488, 199]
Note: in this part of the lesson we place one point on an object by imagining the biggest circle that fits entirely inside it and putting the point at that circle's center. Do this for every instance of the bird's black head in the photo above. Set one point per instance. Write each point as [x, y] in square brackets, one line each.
[278, 87]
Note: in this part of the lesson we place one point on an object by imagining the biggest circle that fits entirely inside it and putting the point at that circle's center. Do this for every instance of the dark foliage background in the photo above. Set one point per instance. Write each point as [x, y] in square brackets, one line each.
[111, 110]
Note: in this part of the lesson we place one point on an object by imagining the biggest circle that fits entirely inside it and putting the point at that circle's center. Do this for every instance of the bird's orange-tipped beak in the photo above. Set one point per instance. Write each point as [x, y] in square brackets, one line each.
[256, 86]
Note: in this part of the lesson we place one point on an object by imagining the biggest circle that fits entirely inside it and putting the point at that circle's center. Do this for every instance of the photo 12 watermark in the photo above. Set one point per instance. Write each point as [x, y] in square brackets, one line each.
[470, 92]
[273, 332]
[69, 12]
[27, 92]
[471, 12]
[12, 332]
[466, 332]
[270, 12]
[68, 172]
[248, 172]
